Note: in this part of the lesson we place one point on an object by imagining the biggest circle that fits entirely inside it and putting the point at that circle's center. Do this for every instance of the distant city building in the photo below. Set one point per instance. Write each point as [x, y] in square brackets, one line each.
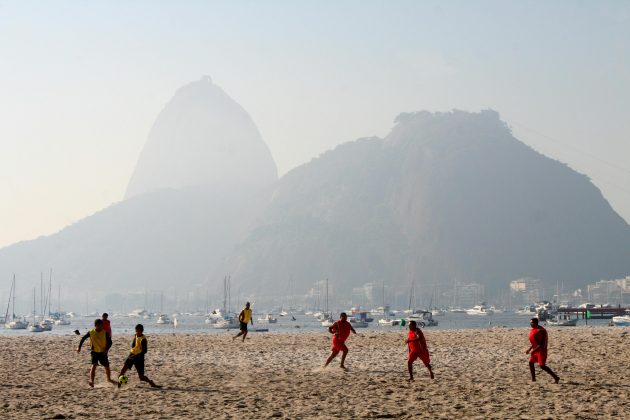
[614, 292]
[525, 291]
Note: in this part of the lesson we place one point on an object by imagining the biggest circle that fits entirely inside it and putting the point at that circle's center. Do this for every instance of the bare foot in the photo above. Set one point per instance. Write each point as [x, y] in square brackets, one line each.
[113, 382]
[432, 376]
[154, 385]
[343, 367]
[557, 379]
[91, 384]
[409, 379]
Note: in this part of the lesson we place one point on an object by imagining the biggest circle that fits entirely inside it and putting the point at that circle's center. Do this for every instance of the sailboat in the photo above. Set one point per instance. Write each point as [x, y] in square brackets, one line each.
[14, 324]
[328, 319]
[163, 318]
[62, 320]
[34, 327]
[386, 321]
[228, 321]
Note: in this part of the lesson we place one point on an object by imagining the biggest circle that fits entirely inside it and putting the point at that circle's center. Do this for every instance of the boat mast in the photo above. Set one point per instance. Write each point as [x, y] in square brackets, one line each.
[326, 295]
[6, 315]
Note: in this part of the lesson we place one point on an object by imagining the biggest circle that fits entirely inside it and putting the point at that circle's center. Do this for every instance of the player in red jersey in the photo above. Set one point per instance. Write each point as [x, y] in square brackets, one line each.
[417, 349]
[538, 349]
[341, 331]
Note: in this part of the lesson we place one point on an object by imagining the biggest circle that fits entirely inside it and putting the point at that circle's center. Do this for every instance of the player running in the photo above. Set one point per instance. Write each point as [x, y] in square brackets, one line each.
[100, 343]
[244, 318]
[538, 339]
[106, 324]
[417, 349]
[341, 331]
[136, 357]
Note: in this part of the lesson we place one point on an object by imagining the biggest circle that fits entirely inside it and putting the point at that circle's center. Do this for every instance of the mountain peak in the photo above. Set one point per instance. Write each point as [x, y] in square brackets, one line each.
[202, 137]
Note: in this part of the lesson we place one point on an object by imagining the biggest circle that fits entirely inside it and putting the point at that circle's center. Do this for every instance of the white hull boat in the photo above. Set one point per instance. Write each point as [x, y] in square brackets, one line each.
[621, 321]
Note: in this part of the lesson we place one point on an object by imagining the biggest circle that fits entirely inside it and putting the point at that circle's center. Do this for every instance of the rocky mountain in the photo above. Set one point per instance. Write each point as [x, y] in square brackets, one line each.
[203, 138]
[192, 197]
[444, 197]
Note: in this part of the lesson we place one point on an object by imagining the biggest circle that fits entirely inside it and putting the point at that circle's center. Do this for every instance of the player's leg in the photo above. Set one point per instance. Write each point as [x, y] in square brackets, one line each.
[547, 369]
[244, 335]
[532, 370]
[430, 371]
[92, 374]
[333, 354]
[343, 358]
[410, 369]
[237, 335]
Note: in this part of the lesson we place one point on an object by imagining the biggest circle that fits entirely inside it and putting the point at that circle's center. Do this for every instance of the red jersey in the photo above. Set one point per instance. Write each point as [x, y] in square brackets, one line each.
[419, 345]
[107, 327]
[538, 337]
[343, 328]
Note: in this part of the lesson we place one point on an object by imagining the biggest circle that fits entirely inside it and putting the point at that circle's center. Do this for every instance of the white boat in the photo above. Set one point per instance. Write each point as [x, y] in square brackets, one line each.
[227, 323]
[437, 312]
[622, 320]
[269, 319]
[14, 324]
[34, 327]
[214, 316]
[163, 319]
[358, 323]
[479, 310]
[385, 322]
[62, 321]
[47, 324]
[527, 310]
[423, 319]
[284, 313]
[554, 322]
[457, 310]
[328, 322]
[138, 313]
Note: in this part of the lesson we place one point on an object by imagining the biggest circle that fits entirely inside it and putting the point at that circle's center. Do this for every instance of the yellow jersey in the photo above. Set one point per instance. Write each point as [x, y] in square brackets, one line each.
[98, 340]
[137, 347]
[247, 316]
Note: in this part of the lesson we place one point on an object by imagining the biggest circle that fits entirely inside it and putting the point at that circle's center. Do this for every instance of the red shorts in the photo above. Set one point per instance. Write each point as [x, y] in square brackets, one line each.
[539, 357]
[338, 345]
[422, 355]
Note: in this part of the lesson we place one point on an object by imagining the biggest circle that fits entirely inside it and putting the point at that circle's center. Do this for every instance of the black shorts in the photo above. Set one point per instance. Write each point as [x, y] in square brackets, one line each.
[244, 326]
[100, 358]
[138, 362]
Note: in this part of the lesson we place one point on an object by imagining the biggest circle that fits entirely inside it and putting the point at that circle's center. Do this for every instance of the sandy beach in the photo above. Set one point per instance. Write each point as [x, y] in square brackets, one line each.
[479, 374]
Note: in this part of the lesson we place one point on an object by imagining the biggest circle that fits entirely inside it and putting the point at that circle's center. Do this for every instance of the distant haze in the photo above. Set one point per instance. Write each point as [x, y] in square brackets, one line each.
[82, 84]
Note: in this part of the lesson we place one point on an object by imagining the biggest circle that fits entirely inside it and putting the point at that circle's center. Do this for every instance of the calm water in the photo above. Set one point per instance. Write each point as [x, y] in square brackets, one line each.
[196, 325]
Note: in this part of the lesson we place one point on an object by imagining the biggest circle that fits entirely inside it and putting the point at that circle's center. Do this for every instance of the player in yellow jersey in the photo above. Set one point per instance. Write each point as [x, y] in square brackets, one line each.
[100, 342]
[244, 318]
[136, 357]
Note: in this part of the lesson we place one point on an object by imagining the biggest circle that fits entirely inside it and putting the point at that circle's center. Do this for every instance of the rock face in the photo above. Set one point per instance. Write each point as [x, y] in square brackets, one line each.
[202, 138]
[444, 197]
[191, 199]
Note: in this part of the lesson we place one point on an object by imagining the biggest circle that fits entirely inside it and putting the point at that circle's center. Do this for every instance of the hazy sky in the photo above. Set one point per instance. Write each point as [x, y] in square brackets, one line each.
[82, 82]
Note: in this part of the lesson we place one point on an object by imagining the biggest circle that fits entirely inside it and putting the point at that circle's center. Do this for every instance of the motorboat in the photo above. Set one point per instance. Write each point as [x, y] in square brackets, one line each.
[268, 318]
[47, 324]
[358, 322]
[622, 320]
[226, 323]
[163, 319]
[438, 312]
[138, 313]
[479, 310]
[214, 316]
[555, 322]
[62, 321]
[527, 310]
[388, 322]
[423, 319]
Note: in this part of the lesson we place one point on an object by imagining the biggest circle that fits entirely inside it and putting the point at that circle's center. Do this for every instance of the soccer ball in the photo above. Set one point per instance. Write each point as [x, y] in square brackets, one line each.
[122, 379]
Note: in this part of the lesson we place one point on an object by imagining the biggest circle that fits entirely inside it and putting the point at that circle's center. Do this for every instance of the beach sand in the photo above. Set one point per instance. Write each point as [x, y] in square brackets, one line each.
[479, 374]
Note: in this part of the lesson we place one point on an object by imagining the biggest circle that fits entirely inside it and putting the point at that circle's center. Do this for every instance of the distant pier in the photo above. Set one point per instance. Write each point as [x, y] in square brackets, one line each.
[595, 313]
